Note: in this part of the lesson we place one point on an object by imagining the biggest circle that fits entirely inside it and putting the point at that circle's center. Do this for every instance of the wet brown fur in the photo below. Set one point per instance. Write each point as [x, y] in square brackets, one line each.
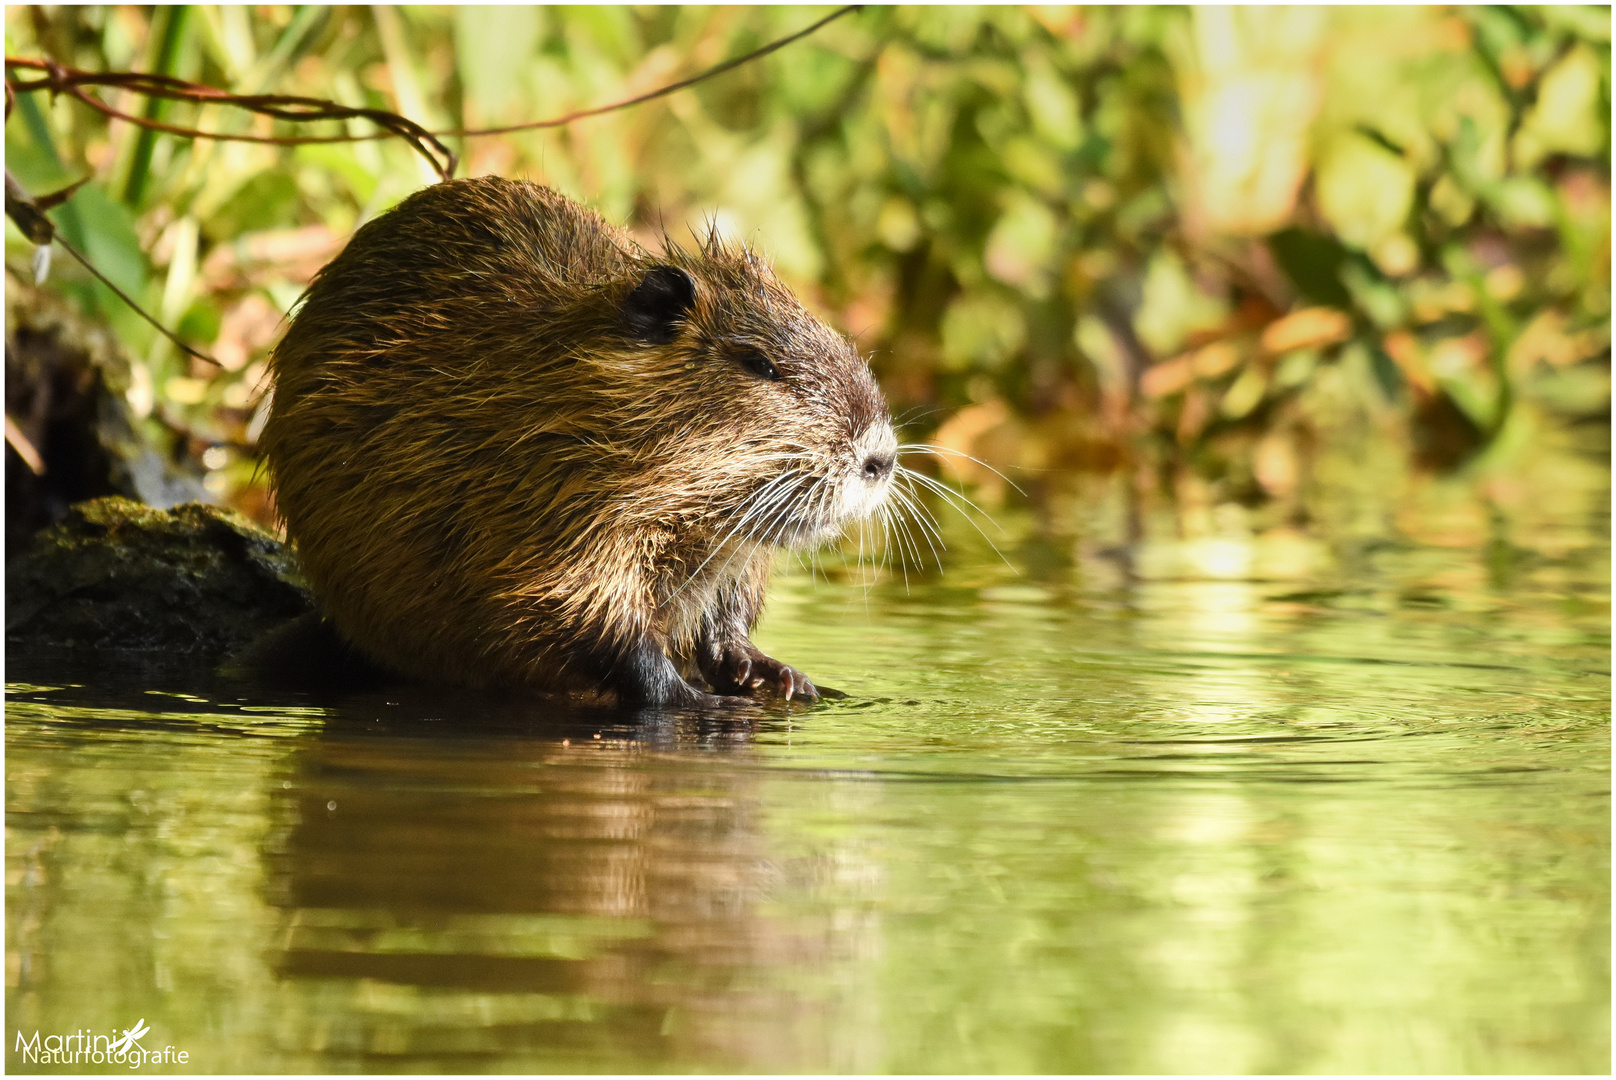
[493, 477]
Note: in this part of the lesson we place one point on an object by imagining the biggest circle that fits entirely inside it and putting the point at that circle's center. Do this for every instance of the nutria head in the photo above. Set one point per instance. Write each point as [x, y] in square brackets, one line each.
[513, 446]
[776, 414]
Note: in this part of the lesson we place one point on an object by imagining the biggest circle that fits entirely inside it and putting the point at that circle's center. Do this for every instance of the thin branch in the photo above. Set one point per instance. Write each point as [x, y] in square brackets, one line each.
[62, 79]
[29, 215]
[161, 329]
[717, 69]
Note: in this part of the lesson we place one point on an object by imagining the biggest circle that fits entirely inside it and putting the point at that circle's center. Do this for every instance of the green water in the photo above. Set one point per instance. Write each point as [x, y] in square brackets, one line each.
[1184, 790]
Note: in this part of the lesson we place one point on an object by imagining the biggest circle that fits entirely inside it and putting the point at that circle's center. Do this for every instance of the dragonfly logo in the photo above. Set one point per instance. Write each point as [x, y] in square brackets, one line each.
[85, 1047]
[131, 1037]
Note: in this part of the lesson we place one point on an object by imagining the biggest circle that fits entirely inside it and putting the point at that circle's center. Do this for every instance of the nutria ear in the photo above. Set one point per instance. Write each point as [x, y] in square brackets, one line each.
[656, 305]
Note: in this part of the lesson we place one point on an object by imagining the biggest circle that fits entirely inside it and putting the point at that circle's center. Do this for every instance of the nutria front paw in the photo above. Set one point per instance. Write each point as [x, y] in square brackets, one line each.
[743, 669]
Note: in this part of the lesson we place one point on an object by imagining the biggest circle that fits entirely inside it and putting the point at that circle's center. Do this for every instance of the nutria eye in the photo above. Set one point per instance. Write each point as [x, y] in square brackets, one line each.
[758, 364]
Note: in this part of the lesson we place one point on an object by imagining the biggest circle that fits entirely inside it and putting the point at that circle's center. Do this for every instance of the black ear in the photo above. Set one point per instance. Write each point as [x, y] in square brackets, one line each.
[656, 305]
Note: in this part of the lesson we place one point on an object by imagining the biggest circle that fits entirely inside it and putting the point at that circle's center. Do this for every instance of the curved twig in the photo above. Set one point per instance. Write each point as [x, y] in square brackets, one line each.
[717, 69]
[62, 79]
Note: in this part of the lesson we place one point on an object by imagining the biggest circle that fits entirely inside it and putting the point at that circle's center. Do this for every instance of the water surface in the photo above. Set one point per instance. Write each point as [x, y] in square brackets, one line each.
[1161, 791]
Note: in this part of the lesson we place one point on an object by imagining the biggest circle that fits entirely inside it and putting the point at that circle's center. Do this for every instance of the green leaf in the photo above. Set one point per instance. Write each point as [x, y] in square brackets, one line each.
[1364, 189]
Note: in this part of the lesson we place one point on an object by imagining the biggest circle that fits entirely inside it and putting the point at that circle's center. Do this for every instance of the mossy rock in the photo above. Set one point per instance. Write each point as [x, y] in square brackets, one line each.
[116, 574]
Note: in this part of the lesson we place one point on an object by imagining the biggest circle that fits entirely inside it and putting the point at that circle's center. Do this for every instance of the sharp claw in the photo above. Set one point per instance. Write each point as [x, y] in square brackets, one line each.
[749, 674]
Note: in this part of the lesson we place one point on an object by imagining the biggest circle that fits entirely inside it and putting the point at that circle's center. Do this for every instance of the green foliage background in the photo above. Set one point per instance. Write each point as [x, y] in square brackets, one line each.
[1215, 250]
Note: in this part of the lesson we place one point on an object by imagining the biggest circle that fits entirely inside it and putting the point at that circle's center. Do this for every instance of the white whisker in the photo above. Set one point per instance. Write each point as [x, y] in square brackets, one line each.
[922, 517]
[938, 451]
[947, 492]
[949, 495]
[762, 498]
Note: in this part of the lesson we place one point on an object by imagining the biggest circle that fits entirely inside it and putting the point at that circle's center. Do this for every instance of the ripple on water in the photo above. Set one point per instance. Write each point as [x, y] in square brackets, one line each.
[1269, 802]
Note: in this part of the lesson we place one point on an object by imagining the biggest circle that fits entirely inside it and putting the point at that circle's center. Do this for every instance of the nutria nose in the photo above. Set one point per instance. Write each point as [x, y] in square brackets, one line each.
[877, 466]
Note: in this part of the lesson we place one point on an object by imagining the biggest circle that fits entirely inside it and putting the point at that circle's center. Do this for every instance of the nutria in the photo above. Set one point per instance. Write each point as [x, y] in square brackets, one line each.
[514, 447]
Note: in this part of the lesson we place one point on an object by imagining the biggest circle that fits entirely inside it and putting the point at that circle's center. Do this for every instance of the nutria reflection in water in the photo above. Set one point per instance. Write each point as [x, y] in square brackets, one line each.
[593, 895]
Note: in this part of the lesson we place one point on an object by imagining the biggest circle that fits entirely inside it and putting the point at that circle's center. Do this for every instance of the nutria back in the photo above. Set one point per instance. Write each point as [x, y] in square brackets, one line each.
[514, 447]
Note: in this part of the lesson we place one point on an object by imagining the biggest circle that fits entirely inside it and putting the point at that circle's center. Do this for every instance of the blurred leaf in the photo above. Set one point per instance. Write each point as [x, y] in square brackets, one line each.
[1021, 245]
[899, 225]
[981, 329]
[1294, 369]
[1523, 200]
[1309, 328]
[1376, 297]
[1244, 394]
[1364, 189]
[1174, 305]
[1566, 116]
[1052, 105]
[1251, 88]
[1591, 22]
